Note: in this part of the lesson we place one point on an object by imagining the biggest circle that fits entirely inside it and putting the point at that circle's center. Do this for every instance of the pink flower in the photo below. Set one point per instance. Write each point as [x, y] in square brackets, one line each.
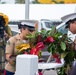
[39, 45]
[40, 73]
[25, 52]
[58, 60]
[55, 55]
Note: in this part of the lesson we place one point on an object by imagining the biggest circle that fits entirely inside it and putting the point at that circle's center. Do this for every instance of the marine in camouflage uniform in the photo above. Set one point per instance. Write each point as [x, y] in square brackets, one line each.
[2, 53]
[5, 33]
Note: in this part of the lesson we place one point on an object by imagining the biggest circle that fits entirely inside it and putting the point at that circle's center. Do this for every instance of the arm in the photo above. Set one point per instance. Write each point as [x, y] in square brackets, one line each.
[9, 59]
[10, 51]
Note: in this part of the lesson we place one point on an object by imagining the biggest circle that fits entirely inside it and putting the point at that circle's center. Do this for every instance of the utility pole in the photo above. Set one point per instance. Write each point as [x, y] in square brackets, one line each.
[26, 9]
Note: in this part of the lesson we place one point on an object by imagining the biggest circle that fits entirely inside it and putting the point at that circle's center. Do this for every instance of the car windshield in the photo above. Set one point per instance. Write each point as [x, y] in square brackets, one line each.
[49, 24]
[62, 29]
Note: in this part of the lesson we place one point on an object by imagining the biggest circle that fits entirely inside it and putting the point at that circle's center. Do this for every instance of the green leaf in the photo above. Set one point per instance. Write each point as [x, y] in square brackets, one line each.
[49, 48]
[63, 55]
[70, 54]
[57, 35]
[63, 46]
[53, 30]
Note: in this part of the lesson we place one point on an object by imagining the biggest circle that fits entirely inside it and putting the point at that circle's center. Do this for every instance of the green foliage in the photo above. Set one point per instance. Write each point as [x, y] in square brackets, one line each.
[63, 46]
[20, 1]
[56, 2]
[57, 43]
[35, 2]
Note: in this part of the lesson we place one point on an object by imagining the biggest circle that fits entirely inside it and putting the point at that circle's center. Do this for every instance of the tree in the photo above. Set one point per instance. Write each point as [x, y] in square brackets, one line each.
[35, 2]
[3, 2]
[20, 2]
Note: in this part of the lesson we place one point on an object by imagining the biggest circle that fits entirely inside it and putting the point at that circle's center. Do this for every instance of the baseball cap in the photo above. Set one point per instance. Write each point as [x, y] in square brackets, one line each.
[30, 24]
[68, 19]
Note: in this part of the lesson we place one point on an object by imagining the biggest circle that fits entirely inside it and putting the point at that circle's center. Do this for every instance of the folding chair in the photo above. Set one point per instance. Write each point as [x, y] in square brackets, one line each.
[48, 64]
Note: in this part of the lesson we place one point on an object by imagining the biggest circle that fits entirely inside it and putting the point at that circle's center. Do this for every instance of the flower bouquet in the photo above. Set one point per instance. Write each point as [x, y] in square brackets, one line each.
[58, 44]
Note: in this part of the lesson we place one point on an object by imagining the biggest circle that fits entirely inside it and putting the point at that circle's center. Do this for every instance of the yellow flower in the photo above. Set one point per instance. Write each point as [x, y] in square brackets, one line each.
[22, 47]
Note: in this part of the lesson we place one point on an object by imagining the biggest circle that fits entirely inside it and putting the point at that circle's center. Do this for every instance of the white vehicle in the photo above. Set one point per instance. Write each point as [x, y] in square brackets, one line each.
[61, 28]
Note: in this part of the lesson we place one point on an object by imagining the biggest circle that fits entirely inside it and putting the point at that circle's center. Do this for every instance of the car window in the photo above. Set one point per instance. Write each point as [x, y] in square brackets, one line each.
[14, 33]
[62, 29]
[49, 24]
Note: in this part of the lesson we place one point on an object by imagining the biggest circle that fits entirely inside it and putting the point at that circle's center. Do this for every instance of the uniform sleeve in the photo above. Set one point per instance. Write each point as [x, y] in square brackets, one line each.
[8, 30]
[10, 46]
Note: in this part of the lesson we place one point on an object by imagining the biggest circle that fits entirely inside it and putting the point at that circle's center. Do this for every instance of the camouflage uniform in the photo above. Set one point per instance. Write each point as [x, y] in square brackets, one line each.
[2, 48]
[2, 53]
[8, 30]
[3, 28]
